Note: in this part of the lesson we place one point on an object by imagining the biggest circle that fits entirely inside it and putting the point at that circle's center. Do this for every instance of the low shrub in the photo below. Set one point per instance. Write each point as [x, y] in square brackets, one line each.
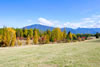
[68, 41]
[74, 40]
[79, 39]
[19, 42]
[28, 40]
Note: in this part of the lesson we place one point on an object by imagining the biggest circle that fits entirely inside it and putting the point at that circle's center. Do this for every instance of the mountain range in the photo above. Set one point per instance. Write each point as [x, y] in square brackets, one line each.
[75, 31]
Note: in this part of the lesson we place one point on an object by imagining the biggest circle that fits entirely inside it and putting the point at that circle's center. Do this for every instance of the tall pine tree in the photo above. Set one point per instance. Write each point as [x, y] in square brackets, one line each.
[70, 35]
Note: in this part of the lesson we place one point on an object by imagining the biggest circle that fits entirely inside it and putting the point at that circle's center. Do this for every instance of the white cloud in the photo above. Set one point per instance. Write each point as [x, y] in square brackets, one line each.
[44, 21]
[88, 19]
[72, 25]
[90, 22]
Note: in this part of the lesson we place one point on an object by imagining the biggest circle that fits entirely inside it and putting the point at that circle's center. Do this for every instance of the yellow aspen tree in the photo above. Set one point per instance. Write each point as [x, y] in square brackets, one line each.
[0, 38]
[4, 37]
[9, 37]
[47, 39]
[35, 38]
[64, 34]
[30, 33]
[56, 34]
[12, 36]
[28, 40]
[13, 40]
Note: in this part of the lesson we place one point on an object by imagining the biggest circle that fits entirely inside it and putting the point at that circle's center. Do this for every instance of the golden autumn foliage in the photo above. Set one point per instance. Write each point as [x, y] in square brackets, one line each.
[30, 33]
[36, 37]
[64, 34]
[24, 36]
[61, 36]
[0, 38]
[47, 39]
[9, 37]
[13, 40]
[28, 40]
[19, 42]
[57, 34]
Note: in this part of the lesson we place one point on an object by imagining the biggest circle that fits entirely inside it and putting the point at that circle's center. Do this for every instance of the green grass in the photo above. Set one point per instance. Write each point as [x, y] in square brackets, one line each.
[78, 54]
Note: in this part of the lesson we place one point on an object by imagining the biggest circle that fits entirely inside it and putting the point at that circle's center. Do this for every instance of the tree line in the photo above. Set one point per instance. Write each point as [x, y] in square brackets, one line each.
[12, 37]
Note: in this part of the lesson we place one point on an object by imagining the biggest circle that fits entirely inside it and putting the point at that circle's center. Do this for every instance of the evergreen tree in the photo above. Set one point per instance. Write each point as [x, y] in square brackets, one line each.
[49, 33]
[74, 37]
[97, 35]
[17, 32]
[70, 35]
[21, 33]
[25, 32]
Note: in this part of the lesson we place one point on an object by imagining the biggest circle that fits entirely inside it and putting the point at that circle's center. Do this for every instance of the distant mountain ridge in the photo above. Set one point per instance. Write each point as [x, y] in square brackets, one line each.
[75, 31]
[40, 27]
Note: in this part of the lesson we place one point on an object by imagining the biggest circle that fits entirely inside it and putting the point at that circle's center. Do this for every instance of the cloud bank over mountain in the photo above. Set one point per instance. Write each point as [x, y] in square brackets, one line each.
[90, 22]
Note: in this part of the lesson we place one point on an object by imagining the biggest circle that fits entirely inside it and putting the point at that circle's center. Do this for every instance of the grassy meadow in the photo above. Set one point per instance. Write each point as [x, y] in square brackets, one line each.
[77, 54]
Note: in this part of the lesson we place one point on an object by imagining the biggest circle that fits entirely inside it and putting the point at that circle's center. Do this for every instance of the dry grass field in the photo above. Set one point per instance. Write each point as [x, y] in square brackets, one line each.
[78, 54]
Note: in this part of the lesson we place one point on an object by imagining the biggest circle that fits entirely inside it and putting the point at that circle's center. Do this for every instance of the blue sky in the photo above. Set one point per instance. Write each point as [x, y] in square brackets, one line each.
[56, 13]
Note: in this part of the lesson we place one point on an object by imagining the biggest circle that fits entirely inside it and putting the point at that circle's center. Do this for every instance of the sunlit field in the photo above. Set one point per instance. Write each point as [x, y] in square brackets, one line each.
[77, 54]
